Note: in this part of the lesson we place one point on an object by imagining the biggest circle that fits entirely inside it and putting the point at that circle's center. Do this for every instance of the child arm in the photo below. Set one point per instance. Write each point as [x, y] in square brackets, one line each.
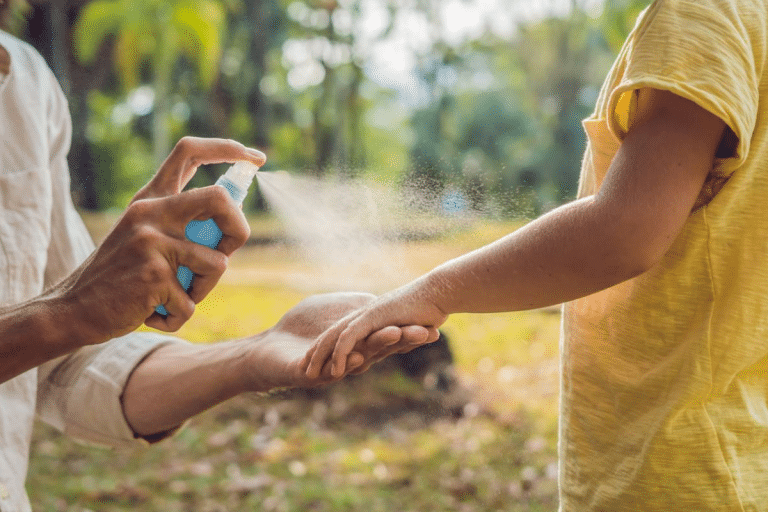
[576, 250]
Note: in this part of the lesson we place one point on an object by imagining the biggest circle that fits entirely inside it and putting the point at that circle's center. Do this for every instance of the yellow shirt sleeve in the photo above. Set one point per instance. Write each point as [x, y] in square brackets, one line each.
[699, 50]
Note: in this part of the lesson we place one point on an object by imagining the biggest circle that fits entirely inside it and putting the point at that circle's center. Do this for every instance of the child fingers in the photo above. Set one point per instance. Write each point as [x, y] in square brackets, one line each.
[322, 350]
[355, 361]
[347, 341]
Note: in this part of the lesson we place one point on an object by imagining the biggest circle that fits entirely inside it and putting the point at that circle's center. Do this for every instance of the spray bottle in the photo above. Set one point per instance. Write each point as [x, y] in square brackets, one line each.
[236, 181]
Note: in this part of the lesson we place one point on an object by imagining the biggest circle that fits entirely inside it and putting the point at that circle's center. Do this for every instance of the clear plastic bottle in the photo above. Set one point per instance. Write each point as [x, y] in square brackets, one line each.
[236, 181]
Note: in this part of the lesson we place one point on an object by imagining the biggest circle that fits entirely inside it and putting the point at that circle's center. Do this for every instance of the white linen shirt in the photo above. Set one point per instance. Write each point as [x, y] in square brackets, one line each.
[43, 239]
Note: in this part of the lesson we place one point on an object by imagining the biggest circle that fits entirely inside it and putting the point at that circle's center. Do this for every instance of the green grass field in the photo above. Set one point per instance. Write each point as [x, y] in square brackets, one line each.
[376, 442]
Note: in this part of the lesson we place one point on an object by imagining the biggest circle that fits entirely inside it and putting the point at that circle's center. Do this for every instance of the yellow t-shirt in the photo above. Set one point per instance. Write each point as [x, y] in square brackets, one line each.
[664, 396]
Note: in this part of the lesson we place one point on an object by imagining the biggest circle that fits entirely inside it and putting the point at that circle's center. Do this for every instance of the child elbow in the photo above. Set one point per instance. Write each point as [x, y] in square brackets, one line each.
[640, 256]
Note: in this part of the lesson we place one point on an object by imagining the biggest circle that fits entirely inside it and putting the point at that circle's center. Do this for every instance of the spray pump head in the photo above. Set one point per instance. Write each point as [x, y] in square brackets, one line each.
[241, 174]
[237, 179]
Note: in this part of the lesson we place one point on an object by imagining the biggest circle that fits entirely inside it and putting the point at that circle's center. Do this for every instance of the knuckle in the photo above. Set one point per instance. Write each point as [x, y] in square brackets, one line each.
[184, 144]
[173, 323]
[195, 161]
[187, 150]
[136, 211]
[153, 272]
[145, 237]
[219, 195]
[187, 310]
[246, 231]
[219, 262]
[234, 146]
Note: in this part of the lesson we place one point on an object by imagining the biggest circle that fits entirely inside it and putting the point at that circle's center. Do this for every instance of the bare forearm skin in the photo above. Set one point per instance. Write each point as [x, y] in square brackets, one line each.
[178, 381]
[569, 253]
[599, 241]
[37, 331]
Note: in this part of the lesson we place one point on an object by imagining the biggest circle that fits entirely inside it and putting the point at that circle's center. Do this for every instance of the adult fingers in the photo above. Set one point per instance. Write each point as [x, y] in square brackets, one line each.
[415, 335]
[391, 340]
[190, 153]
[206, 264]
[374, 348]
[207, 203]
[179, 306]
[433, 334]
[381, 339]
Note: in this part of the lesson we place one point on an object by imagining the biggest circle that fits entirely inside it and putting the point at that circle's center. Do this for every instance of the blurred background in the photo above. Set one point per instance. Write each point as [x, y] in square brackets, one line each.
[475, 106]
[481, 96]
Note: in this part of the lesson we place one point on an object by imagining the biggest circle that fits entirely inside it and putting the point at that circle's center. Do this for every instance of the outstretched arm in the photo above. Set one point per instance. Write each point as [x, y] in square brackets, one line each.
[576, 250]
[179, 381]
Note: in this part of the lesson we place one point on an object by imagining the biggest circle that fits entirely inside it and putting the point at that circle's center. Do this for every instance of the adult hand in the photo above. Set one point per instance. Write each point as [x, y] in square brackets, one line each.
[118, 287]
[410, 305]
[275, 356]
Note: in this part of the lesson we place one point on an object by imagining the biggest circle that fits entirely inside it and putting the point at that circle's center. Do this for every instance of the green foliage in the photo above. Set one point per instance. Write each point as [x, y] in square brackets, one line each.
[199, 26]
[123, 161]
[153, 34]
[12, 15]
[619, 18]
[98, 20]
[152, 31]
[493, 118]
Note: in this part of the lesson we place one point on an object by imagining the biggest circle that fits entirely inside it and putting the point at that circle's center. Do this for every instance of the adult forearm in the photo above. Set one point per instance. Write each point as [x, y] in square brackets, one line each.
[178, 381]
[34, 332]
[571, 252]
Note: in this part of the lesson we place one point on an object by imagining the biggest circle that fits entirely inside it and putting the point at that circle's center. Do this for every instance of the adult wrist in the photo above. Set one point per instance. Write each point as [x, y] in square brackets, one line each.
[259, 370]
[70, 317]
[247, 370]
[48, 322]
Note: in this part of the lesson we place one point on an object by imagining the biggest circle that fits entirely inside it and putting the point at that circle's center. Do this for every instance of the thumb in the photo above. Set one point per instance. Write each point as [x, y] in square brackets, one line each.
[189, 154]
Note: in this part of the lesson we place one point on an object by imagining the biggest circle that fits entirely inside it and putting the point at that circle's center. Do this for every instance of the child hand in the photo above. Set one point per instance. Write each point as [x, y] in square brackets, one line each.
[410, 305]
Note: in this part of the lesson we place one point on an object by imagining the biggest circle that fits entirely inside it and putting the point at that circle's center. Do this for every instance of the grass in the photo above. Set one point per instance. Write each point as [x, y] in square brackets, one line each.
[376, 442]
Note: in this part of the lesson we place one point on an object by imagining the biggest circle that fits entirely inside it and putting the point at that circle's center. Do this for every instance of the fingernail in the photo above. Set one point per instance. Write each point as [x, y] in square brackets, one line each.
[257, 154]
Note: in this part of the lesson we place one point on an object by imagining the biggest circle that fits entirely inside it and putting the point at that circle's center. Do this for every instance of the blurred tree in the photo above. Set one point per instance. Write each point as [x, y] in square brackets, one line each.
[12, 15]
[563, 65]
[434, 159]
[317, 79]
[485, 115]
[618, 18]
[155, 33]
